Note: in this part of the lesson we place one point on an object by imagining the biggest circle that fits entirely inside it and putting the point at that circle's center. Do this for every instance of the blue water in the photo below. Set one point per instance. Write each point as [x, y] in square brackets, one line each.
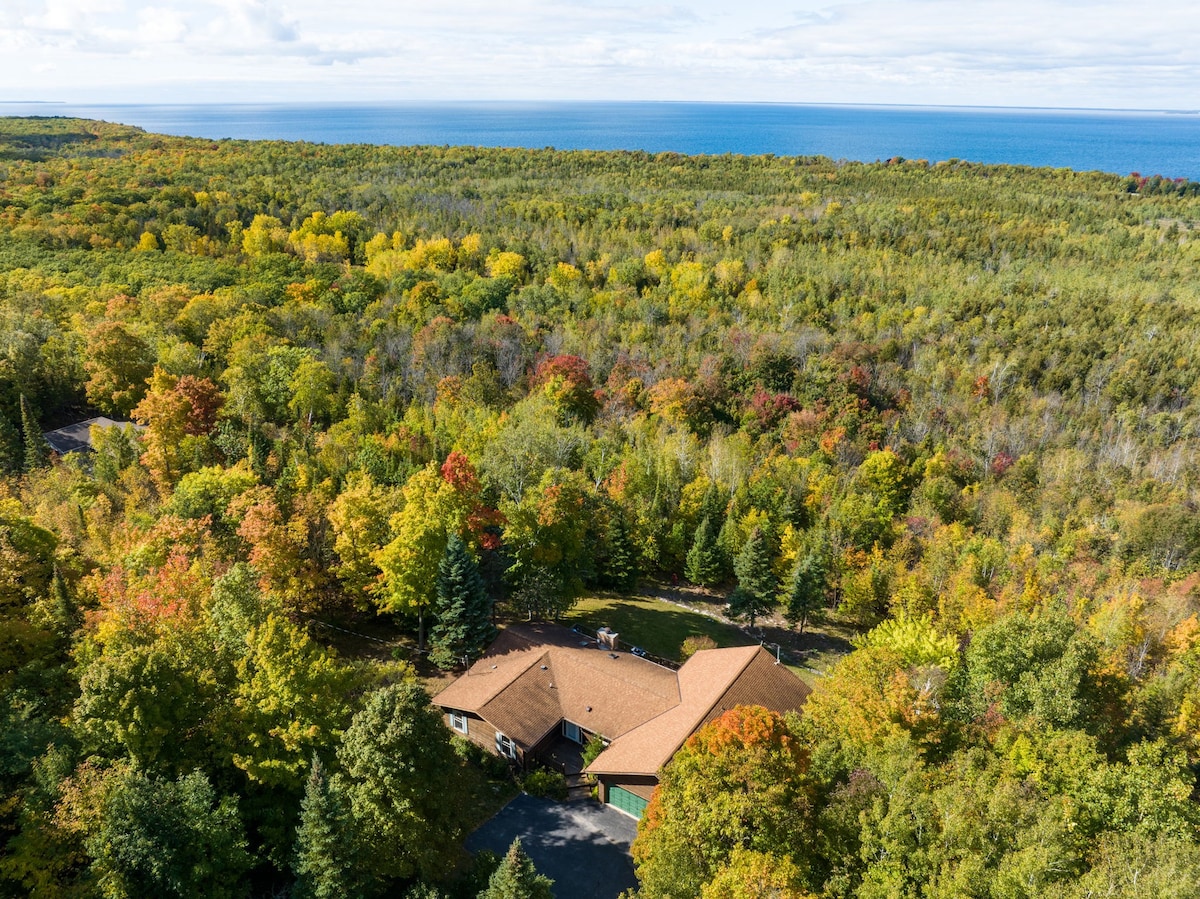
[1111, 141]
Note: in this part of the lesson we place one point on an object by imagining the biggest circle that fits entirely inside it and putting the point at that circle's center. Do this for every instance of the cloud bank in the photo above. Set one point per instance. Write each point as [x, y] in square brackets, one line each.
[979, 52]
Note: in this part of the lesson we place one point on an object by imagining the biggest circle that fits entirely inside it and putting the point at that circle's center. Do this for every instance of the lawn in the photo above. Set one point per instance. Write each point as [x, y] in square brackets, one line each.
[660, 617]
[657, 626]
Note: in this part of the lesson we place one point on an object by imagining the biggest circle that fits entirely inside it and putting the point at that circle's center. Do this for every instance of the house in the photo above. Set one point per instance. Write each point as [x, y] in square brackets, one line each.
[538, 684]
[77, 438]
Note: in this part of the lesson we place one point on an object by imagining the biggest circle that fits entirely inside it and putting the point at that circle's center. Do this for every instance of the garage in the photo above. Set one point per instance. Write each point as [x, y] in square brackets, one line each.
[622, 799]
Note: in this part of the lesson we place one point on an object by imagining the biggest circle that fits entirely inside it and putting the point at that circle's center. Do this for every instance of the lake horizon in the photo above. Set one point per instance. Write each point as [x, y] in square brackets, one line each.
[1119, 141]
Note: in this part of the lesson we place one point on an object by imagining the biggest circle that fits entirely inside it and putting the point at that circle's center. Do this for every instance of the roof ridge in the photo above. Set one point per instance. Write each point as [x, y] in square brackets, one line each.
[741, 670]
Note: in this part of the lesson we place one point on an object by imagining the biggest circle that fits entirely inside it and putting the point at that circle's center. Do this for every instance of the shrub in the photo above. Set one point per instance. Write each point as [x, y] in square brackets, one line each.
[543, 782]
[694, 644]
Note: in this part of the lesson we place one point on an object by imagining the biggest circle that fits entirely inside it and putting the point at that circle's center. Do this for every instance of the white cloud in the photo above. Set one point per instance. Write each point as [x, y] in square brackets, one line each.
[1017, 52]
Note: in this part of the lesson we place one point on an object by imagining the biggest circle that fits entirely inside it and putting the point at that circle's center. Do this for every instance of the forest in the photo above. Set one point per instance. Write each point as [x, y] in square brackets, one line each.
[408, 391]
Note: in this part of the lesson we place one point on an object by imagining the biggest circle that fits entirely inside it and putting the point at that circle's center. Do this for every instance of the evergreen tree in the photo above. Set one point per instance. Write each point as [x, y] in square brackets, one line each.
[703, 564]
[37, 452]
[517, 878]
[323, 860]
[756, 589]
[463, 609]
[63, 611]
[11, 455]
[806, 590]
[616, 560]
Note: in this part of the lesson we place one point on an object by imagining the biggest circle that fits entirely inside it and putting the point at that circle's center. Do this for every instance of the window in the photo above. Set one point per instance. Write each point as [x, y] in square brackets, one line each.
[505, 746]
[458, 721]
[571, 732]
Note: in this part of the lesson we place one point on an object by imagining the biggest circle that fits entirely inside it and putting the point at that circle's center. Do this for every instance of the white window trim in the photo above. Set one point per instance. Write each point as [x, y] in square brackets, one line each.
[505, 746]
[458, 722]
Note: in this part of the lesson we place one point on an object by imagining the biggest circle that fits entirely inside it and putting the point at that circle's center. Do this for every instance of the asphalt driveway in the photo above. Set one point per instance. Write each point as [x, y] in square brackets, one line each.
[581, 845]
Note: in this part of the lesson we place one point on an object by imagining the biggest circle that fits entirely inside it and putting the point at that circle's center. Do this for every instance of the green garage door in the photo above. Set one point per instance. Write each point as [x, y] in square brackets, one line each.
[626, 801]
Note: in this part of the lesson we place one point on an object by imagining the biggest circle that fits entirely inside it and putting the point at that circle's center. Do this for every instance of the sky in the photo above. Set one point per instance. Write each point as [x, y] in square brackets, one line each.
[1047, 53]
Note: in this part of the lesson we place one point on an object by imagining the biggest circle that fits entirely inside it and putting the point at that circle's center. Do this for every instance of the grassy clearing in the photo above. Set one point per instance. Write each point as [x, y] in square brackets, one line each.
[654, 624]
[661, 617]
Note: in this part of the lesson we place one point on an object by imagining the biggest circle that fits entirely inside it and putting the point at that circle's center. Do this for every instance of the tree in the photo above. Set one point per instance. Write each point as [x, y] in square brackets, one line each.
[153, 702]
[463, 609]
[615, 555]
[292, 700]
[516, 878]
[547, 533]
[756, 588]
[37, 451]
[806, 590]
[313, 393]
[323, 862]
[359, 517]
[11, 454]
[739, 782]
[118, 364]
[164, 411]
[437, 502]
[704, 558]
[756, 875]
[168, 838]
[1039, 665]
[402, 780]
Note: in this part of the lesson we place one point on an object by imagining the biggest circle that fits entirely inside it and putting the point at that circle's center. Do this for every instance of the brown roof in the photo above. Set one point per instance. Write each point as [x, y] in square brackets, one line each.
[710, 683]
[534, 676]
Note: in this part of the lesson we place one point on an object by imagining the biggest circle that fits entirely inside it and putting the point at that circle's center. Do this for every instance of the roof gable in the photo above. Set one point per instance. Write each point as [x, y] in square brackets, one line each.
[711, 682]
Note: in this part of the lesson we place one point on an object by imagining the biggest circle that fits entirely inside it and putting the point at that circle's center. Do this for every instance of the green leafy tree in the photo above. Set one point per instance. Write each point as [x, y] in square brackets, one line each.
[313, 394]
[547, 534]
[401, 777]
[915, 641]
[11, 451]
[517, 878]
[1039, 665]
[435, 506]
[463, 610]
[757, 586]
[291, 701]
[168, 838]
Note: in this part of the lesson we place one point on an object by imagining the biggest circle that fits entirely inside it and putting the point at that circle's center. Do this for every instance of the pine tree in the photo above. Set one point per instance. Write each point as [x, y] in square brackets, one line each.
[806, 590]
[63, 611]
[703, 564]
[36, 450]
[324, 854]
[756, 589]
[615, 559]
[463, 610]
[517, 878]
[11, 455]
